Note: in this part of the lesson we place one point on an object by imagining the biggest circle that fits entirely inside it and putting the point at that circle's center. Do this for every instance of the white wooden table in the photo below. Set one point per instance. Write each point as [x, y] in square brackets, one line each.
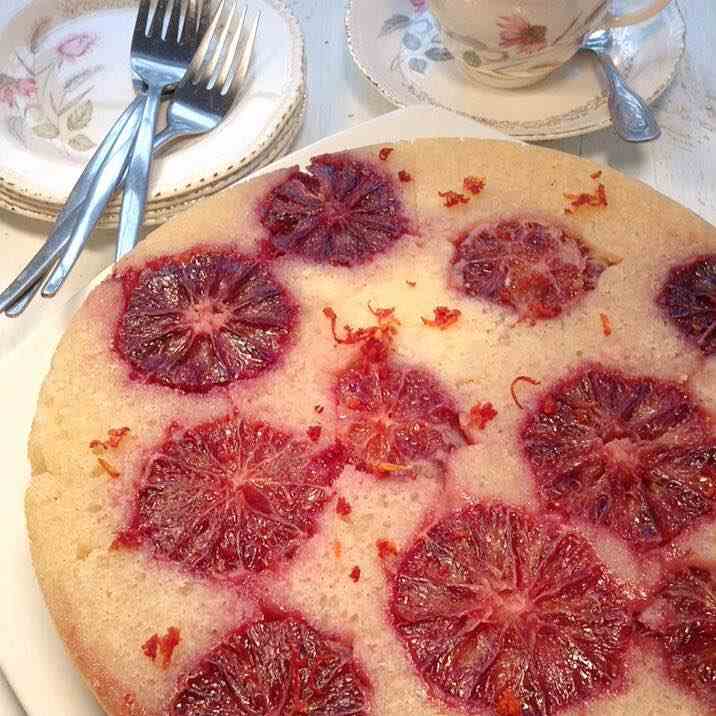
[682, 164]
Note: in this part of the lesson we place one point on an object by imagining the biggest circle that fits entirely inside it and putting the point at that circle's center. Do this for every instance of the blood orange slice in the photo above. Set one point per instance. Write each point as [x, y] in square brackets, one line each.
[395, 420]
[231, 494]
[534, 268]
[683, 620]
[277, 665]
[342, 211]
[197, 321]
[688, 299]
[503, 610]
[628, 452]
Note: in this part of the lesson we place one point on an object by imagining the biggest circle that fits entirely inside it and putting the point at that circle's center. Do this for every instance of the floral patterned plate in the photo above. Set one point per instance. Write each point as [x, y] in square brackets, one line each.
[398, 48]
[160, 209]
[65, 77]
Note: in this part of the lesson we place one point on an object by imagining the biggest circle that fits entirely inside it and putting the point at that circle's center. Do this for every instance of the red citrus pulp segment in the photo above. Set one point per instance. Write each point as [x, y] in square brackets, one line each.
[627, 452]
[498, 607]
[201, 320]
[231, 494]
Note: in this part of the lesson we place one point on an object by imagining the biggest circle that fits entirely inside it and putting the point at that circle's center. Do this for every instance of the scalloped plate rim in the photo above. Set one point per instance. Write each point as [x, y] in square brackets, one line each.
[294, 88]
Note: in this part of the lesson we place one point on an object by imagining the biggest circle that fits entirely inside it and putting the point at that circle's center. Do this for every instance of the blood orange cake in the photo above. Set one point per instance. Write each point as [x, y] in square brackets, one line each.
[420, 429]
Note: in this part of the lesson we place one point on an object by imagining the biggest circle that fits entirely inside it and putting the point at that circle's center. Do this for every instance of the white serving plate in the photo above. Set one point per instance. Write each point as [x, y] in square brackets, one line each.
[65, 77]
[31, 653]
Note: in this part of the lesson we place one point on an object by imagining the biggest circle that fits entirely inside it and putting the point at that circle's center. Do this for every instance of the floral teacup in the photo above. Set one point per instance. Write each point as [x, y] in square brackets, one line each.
[515, 43]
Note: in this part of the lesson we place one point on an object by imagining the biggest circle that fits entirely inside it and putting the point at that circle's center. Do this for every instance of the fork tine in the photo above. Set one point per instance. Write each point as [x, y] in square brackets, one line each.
[219, 48]
[140, 26]
[160, 12]
[243, 68]
[178, 6]
[205, 16]
[230, 55]
[188, 33]
[200, 57]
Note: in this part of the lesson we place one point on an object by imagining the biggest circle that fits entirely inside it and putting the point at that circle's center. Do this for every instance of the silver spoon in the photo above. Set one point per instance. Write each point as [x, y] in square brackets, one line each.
[633, 119]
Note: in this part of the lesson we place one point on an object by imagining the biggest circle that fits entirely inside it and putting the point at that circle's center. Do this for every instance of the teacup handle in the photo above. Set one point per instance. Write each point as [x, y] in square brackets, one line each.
[633, 18]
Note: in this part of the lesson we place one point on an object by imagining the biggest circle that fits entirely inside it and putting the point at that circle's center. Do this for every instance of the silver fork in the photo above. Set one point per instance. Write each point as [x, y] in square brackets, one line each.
[155, 69]
[206, 95]
[104, 169]
[160, 56]
[208, 91]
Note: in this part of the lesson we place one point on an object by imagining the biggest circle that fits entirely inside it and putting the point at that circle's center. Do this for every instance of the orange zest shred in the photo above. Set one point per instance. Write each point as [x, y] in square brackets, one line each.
[387, 327]
[474, 185]
[162, 646]
[386, 548]
[521, 379]
[606, 324]
[508, 704]
[337, 549]
[318, 408]
[385, 152]
[355, 573]
[596, 199]
[412, 284]
[151, 646]
[343, 507]
[404, 176]
[111, 471]
[444, 317]
[389, 467]
[453, 198]
[381, 314]
[481, 414]
[115, 437]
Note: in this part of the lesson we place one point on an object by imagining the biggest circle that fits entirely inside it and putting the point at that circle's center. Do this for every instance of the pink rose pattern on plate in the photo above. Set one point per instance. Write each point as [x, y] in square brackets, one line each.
[37, 101]
[76, 46]
[515, 31]
[518, 38]
[11, 89]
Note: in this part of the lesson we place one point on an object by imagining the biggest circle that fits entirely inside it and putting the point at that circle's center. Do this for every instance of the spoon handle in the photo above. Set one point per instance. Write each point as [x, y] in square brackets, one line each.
[633, 119]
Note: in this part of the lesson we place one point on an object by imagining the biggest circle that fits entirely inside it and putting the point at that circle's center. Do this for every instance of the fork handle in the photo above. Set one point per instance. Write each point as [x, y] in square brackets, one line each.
[84, 219]
[60, 235]
[68, 219]
[137, 185]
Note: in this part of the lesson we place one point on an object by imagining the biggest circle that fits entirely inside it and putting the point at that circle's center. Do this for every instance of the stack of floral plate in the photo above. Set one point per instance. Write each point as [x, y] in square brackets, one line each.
[65, 77]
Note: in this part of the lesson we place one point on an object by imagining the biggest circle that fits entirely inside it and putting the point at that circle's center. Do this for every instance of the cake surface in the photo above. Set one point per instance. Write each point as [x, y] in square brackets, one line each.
[426, 429]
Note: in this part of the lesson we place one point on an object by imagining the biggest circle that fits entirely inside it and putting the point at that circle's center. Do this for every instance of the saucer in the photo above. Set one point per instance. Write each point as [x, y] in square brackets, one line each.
[399, 50]
[65, 77]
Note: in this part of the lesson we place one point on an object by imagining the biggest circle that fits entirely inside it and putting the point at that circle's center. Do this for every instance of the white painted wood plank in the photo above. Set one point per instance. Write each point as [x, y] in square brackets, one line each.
[339, 96]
